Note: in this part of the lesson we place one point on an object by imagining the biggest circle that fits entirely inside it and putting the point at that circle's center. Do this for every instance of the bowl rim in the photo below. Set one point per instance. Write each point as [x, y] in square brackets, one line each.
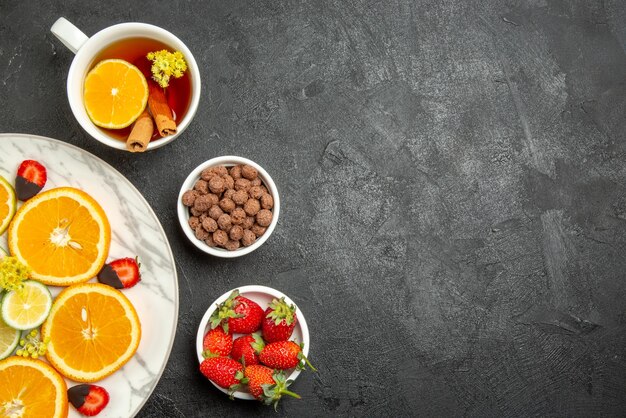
[115, 33]
[183, 212]
[204, 323]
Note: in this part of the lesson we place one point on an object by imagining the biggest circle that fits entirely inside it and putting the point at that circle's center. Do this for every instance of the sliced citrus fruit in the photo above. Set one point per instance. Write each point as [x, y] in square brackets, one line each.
[31, 388]
[3, 253]
[62, 234]
[9, 338]
[116, 93]
[93, 331]
[8, 203]
[28, 307]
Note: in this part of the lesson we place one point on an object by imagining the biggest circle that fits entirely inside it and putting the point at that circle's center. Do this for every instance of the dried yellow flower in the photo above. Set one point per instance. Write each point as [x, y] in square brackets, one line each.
[32, 345]
[12, 273]
[166, 64]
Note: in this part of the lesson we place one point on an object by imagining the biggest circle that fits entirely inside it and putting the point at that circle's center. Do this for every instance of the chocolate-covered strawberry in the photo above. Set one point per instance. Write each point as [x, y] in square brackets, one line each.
[224, 372]
[89, 400]
[237, 315]
[284, 355]
[246, 348]
[30, 179]
[268, 385]
[217, 342]
[279, 322]
[122, 273]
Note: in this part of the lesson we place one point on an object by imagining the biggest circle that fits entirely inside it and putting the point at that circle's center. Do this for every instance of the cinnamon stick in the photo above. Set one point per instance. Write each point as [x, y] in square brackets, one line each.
[161, 111]
[141, 133]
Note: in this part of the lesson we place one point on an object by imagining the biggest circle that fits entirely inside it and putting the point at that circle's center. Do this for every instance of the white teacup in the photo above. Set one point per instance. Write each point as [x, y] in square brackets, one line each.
[87, 49]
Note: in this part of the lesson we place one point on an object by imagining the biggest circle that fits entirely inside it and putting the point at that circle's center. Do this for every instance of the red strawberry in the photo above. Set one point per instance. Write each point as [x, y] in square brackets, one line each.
[237, 315]
[30, 179]
[120, 274]
[247, 347]
[89, 400]
[279, 322]
[284, 355]
[268, 385]
[217, 342]
[224, 372]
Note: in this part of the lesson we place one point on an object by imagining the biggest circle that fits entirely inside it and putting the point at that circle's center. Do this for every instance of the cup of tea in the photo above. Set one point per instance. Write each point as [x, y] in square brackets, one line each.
[131, 43]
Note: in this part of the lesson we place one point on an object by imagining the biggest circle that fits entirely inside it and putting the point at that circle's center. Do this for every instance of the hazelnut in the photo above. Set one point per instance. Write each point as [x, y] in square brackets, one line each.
[202, 203]
[227, 205]
[231, 245]
[264, 217]
[237, 216]
[235, 233]
[224, 222]
[213, 198]
[216, 184]
[189, 197]
[201, 233]
[220, 237]
[249, 172]
[229, 181]
[201, 186]
[255, 182]
[248, 222]
[209, 241]
[255, 192]
[235, 172]
[207, 173]
[221, 170]
[248, 238]
[240, 197]
[196, 212]
[242, 184]
[209, 224]
[229, 193]
[215, 212]
[252, 206]
[193, 222]
[267, 201]
[258, 230]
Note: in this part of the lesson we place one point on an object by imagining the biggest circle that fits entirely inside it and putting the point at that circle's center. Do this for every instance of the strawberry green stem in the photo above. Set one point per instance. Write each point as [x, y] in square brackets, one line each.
[290, 393]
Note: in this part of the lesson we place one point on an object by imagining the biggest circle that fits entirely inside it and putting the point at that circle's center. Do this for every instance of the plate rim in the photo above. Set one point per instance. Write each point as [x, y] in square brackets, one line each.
[159, 374]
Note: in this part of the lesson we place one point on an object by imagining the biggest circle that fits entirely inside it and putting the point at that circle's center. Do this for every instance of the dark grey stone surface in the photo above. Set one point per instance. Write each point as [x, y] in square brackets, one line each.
[453, 180]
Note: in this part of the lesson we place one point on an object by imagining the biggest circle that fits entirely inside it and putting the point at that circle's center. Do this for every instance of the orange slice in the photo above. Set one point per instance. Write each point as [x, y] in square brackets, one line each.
[116, 93]
[93, 330]
[7, 204]
[31, 388]
[62, 234]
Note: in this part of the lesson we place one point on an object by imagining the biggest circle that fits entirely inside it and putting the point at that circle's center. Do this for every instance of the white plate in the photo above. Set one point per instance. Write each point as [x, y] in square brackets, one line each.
[135, 230]
[262, 295]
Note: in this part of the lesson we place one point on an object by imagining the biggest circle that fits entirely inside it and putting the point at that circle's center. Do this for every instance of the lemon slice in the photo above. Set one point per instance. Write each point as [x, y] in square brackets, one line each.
[26, 308]
[3, 253]
[9, 338]
[115, 94]
[8, 203]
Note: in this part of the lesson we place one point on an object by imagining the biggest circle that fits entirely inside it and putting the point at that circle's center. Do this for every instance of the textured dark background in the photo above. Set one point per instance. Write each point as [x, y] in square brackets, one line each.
[453, 181]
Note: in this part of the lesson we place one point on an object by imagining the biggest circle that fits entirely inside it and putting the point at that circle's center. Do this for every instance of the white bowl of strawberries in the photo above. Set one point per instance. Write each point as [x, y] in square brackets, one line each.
[253, 342]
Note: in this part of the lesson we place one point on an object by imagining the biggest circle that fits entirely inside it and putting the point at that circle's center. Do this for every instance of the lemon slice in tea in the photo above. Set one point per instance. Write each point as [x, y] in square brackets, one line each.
[116, 93]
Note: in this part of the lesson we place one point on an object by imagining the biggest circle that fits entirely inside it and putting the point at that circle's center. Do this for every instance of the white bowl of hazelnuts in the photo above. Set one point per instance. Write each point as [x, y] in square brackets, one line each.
[228, 206]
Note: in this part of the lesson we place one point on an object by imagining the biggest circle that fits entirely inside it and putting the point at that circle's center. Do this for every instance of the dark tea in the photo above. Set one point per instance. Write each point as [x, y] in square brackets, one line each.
[134, 50]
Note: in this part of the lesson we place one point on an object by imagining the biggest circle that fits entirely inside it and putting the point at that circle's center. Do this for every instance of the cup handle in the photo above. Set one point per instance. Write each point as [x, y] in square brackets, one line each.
[68, 34]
